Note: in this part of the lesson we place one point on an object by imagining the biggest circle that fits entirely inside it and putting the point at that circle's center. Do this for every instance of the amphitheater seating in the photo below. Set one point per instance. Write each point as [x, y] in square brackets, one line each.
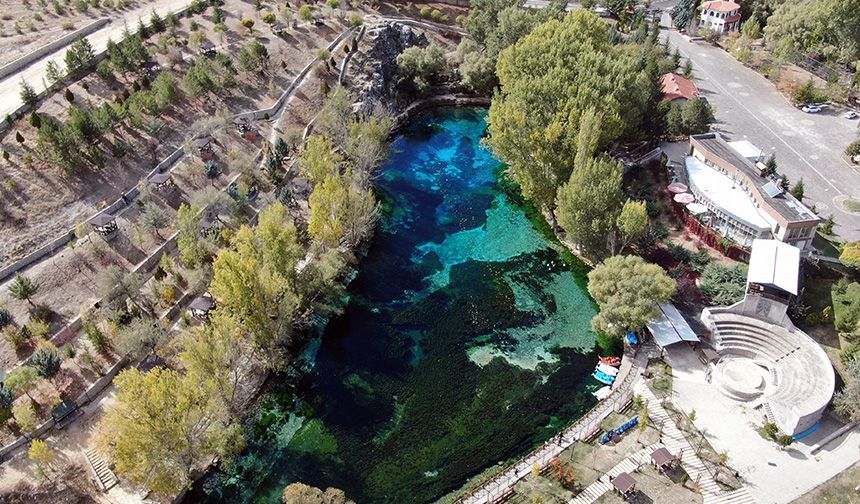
[800, 382]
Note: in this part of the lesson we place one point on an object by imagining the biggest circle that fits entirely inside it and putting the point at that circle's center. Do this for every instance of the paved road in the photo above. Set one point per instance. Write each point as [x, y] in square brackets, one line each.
[748, 107]
[10, 87]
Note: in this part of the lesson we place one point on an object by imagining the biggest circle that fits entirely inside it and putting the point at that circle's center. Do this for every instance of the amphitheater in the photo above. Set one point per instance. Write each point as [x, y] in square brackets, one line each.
[764, 359]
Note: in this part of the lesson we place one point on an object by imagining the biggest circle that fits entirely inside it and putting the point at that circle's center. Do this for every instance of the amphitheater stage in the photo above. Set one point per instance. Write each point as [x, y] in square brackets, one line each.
[773, 475]
[740, 379]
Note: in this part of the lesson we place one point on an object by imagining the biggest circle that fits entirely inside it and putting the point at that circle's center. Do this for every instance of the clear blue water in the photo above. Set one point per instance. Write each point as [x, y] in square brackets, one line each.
[466, 341]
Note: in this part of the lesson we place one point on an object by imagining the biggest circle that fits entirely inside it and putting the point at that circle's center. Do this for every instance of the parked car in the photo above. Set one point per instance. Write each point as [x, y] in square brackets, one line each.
[851, 115]
[811, 109]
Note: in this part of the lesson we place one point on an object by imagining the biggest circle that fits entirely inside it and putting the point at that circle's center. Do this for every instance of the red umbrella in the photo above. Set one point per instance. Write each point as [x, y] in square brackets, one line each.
[677, 188]
[684, 198]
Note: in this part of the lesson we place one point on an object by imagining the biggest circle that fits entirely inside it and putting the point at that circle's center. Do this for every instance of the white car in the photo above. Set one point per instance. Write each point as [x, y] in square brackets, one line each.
[811, 109]
[851, 115]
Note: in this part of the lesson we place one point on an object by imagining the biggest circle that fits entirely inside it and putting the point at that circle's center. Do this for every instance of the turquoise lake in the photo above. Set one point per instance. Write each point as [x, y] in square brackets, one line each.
[466, 341]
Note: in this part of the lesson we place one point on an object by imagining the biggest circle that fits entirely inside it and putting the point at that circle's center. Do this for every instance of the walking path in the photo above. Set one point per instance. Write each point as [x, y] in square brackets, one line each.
[677, 444]
[604, 484]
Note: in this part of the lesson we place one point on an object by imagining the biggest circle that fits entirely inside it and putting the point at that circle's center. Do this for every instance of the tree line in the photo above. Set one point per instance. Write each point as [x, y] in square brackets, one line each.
[268, 281]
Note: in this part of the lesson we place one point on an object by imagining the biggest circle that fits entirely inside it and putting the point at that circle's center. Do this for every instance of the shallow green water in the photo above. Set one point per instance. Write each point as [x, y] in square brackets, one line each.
[466, 341]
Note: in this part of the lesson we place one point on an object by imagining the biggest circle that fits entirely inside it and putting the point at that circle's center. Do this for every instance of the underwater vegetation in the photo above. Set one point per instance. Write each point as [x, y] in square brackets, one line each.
[466, 340]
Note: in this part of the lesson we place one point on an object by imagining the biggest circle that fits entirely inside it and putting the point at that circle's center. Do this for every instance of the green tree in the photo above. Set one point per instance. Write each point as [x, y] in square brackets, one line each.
[632, 223]
[589, 204]
[478, 72]
[161, 427]
[53, 72]
[21, 380]
[153, 219]
[191, 245]
[299, 493]
[419, 66]
[141, 338]
[46, 360]
[771, 166]
[850, 254]
[79, 56]
[724, 285]
[319, 159]
[684, 14]
[253, 57]
[696, 116]
[6, 398]
[751, 28]
[28, 94]
[797, 189]
[217, 356]
[116, 286]
[847, 401]
[688, 69]
[23, 289]
[40, 453]
[549, 79]
[828, 28]
[627, 289]
[254, 280]
[306, 13]
[25, 416]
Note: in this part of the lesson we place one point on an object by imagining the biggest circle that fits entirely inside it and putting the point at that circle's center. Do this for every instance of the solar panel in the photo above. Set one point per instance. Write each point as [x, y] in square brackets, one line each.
[772, 189]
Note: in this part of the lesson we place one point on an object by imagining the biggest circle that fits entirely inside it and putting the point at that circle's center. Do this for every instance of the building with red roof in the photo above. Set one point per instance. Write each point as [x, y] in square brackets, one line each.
[677, 87]
[720, 16]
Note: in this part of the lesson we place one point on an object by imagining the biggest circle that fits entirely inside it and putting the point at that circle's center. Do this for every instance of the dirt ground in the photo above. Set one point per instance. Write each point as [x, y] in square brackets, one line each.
[26, 25]
[839, 490]
[39, 201]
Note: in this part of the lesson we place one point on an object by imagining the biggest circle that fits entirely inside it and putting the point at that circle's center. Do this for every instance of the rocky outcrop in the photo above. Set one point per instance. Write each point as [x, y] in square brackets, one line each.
[375, 70]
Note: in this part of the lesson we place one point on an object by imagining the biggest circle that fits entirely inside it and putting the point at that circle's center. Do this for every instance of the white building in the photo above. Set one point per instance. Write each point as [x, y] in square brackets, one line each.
[720, 16]
[765, 361]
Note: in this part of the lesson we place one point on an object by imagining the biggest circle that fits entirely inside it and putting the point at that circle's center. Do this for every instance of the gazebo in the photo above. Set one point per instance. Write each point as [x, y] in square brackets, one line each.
[201, 306]
[162, 182]
[203, 144]
[209, 225]
[62, 413]
[279, 29]
[624, 484]
[242, 123]
[662, 460]
[104, 223]
[207, 49]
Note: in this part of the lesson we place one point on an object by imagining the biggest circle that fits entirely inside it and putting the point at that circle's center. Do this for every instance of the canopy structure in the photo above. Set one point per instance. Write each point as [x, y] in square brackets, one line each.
[684, 198]
[624, 484]
[662, 459]
[776, 264]
[677, 188]
[104, 223]
[670, 327]
[696, 208]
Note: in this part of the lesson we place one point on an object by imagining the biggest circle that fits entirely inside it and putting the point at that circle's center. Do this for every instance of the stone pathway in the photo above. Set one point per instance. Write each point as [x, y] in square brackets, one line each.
[676, 443]
[603, 484]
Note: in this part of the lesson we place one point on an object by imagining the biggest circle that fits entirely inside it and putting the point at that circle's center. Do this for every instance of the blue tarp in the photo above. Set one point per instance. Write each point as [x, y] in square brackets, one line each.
[633, 422]
[632, 338]
[807, 432]
[603, 377]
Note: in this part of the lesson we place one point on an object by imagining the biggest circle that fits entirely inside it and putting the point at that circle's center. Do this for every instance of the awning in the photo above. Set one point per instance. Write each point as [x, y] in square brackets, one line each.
[677, 188]
[624, 483]
[684, 198]
[670, 327]
[696, 208]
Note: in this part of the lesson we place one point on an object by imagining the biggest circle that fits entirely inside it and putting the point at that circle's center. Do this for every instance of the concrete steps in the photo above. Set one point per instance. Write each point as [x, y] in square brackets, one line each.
[105, 478]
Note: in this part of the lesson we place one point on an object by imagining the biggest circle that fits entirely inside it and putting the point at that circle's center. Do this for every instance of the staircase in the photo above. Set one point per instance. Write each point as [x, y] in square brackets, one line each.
[104, 477]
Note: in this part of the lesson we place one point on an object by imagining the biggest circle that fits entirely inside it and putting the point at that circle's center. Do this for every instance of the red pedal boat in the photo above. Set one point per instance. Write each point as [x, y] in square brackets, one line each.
[611, 361]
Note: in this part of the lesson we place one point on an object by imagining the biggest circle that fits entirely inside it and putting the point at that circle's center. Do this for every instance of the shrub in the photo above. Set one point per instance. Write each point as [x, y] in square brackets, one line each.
[16, 338]
[306, 13]
[269, 17]
[95, 336]
[724, 285]
[853, 148]
[38, 328]
[425, 11]
[355, 19]
[808, 93]
[46, 360]
[5, 317]
[248, 23]
[436, 15]
[210, 169]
